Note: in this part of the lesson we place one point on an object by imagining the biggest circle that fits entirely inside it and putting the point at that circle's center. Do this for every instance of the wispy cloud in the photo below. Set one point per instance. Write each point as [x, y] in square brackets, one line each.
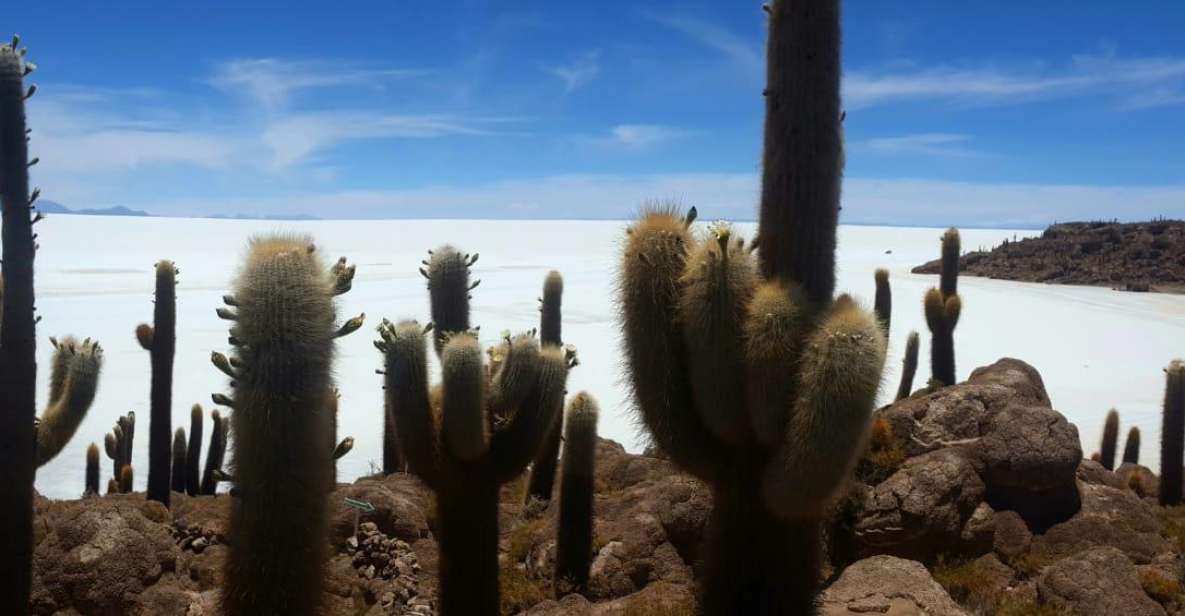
[742, 51]
[645, 135]
[272, 82]
[1132, 82]
[944, 145]
[296, 137]
[579, 72]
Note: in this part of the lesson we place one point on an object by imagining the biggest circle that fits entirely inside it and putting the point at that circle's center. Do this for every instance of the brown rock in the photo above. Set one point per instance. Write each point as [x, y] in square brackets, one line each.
[887, 585]
[1109, 517]
[1097, 582]
[1012, 537]
[1090, 471]
[399, 501]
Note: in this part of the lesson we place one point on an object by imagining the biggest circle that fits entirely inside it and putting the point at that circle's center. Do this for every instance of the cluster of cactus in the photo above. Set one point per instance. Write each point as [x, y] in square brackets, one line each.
[118, 445]
[542, 480]
[187, 476]
[283, 315]
[1172, 434]
[472, 433]
[751, 376]
[574, 527]
[160, 340]
[943, 306]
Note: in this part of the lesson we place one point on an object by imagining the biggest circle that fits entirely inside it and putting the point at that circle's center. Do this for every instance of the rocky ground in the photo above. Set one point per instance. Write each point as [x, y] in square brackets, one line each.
[973, 499]
[1148, 256]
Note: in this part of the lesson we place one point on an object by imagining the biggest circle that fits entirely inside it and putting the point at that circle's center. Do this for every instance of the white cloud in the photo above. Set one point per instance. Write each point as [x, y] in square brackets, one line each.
[579, 72]
[644, 135]
[272, 82]
[927, 144]
[738, 49]
[1127, 80]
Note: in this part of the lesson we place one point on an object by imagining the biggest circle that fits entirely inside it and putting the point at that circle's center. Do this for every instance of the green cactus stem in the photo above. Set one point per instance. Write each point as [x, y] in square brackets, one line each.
[943, 307]
[1110, 443]
[126, 479]
[542, 480]
[216, 454]
[1131, 449]
[1172, 435]
[160, 340]
[909, 366]
[92, 471]
[193, 452]
[179, 455]
[74, 381]
[392, 456]
[574, 530]
[883, 306]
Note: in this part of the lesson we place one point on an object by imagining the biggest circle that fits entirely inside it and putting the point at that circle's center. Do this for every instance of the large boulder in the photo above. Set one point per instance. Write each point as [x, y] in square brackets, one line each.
[1109, 517]
[887, 585]
[399, 502]
[921, 509]
[1097, 582]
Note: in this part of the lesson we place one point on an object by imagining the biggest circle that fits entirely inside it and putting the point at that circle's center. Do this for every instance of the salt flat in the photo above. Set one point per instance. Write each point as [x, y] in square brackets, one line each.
[1095, 348]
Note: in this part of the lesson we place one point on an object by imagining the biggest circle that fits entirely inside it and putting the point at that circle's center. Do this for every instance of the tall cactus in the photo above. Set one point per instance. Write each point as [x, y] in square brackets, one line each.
[193, 452]
[1172, 434]
[909, 366]
[542, 479]
[74, 379]
[180, 454]
[883, 306]
[92, 471]
[750, 376]
[392, 457]
[943, 306]
[1131, 449]
[160, 340]
[1110, 442]
[283, 333]
[18, 348]
[217, 451]
[574, 530]
[467, 437]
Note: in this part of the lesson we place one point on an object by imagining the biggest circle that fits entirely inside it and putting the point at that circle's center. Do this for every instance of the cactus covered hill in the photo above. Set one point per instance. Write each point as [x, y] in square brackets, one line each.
[1140, 256]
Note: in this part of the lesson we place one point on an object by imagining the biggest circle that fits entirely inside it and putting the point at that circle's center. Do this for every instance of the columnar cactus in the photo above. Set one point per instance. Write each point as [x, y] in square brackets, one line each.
[1131, 449]
[283, 332]
[909, 366]
[217, 451]
[74, 379]
[179, 456]
[126, 479]
[193, 452]
[160, 340]
[883, 306]
[392, 457]
[1172, 434]
[574, 531]
[18, 349]
[472, 433]
[550, 333]
[92, 471]
[1110, 443]
[943, 307]
[749, 375]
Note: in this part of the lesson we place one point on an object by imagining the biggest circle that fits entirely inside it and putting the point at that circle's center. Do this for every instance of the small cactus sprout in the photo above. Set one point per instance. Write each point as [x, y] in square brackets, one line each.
[73, 383]
[746, 369]
[463, 443]
[542, 480]
[126, 477]
[575, 527]
[909, 366]
[179, 454]
[883, 307]
[1131, 449]
[193, 452]
[1110, 442]
[160, 340]
[92, 471]
[942, 307]
[285, 326]
[1172, 434]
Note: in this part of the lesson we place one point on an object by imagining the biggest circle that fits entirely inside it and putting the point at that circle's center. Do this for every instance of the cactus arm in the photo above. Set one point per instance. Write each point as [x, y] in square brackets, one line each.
[448, 290]
[803, 156]
[406, 382]
[193, 452]
[654, 258]
[717, 283]
[177, 483]
[775, 325]
[516, 443]
[215, 454]
[126, 479]
[164, 343]
[951, 249]
[464, 428]
[1172, 434]
[909, 366]
[92, 470]
[517, 373]
[1110, 441]
[1131, 449]
[543, 468]
[883, 305]
[550, 313]
[62, 418]
[58, 371]
[18, 345]
[575, 526]
[841, 374]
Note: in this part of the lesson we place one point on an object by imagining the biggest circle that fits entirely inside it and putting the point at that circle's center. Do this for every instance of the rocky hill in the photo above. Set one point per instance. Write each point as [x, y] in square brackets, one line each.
[1146, 256]
[972, 499]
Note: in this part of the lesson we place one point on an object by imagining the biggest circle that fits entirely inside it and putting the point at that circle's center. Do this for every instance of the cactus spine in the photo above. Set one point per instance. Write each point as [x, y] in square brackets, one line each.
[464, 445]
[1131, 449]
[160, 340]
[542, 478]
[1172, 434]
[283, 334]
[193, 452]
[776, 450]
[909, 366]
[883, 307]
[1110, 440]
[92, 471]
[179, 456]
[18, 350]
[574, 532]
[943, 306]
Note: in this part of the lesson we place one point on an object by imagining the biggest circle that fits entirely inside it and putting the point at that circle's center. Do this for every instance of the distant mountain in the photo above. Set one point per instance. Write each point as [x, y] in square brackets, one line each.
[53, 207]
[264, 217]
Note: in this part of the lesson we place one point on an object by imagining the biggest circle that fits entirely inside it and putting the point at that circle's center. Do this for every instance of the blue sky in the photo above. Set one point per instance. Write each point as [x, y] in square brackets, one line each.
[970, 113]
